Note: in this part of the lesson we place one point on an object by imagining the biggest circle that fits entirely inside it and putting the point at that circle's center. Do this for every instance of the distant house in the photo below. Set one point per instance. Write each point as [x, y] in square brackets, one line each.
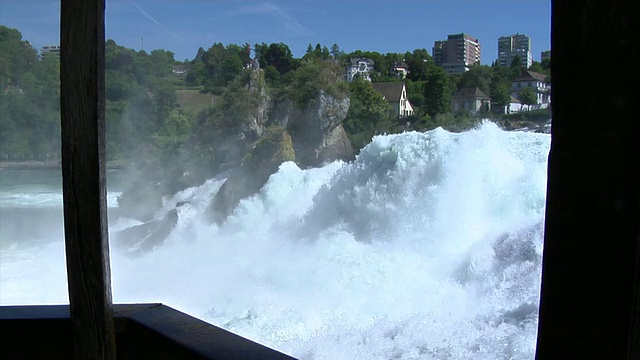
[535, 81]
[359, 67]
[179, 70]
[471, 100]
[400, 69]
[513, 106]
[395, 93]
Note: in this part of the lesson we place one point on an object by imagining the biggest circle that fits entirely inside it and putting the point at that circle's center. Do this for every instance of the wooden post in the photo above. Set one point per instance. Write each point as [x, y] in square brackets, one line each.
[83, 177]
[590, 264]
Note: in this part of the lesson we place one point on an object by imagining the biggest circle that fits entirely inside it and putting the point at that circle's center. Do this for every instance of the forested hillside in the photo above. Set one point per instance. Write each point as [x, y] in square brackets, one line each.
[155, 116]
[29, 101]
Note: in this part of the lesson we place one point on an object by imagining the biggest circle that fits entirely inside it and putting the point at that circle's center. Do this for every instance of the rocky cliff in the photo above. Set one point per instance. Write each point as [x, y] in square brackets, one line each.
[309, 134]
[250, 134]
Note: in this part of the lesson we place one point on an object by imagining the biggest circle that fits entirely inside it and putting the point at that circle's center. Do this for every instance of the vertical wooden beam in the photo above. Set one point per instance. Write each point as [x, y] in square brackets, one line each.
[592, 222]
[83, 175]
[634, 330]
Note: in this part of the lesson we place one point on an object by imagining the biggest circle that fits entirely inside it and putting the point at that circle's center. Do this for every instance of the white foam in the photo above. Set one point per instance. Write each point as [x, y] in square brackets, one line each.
[427, 246]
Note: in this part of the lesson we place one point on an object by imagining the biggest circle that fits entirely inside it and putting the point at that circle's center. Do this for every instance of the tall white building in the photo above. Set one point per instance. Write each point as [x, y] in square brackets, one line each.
[510, 47]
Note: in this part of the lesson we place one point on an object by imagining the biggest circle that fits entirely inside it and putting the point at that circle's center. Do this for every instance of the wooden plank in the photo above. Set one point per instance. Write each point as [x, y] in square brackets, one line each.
[190, 338]
[83, 177]
[143, 331]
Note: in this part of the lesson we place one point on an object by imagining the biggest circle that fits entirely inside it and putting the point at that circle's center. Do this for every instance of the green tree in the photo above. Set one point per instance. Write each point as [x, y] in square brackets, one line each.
[437, 95]
[161, 63]
[335, 52]
[502, 75]
[368, 114]
[415, 93]
[419, 63]
[18, 57]
[29, 100]
[312, 76]
[272, 76]
[528, 96]
[231, 67]
[478, 76]
[216, 67]
[516, 65]
[500, 95]
[546, 64]
[277, 54]
[197, 74]
[213, 59]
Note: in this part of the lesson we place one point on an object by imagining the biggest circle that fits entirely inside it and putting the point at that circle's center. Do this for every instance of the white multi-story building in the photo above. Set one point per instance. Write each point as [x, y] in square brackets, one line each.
[360, 67]
[510, 47]
[536, 82]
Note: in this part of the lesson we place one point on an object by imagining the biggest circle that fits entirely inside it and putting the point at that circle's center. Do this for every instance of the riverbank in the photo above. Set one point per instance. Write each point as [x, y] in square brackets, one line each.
[30, 164]
[51, 164]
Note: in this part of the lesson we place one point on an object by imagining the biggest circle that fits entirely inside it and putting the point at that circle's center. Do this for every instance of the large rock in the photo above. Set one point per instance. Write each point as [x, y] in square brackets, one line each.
[251, 134]
[309, 134]
[144, 237]
[316, 129]
[245, 106]
[334, 146]
[273, 148]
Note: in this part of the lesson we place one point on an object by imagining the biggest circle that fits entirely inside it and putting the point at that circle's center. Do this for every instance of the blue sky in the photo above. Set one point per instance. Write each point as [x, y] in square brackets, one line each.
[182, 26]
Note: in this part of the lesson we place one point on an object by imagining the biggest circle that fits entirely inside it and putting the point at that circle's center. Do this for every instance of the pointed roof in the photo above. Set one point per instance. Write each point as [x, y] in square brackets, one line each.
[471, 93]
[530, 75]
[390, 91]
[400, 64]
[357, 60]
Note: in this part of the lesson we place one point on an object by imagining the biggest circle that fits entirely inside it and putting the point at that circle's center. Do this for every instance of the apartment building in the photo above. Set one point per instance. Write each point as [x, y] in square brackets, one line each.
[457, 54]
[50, 50]
[512, 47]
[545, 55]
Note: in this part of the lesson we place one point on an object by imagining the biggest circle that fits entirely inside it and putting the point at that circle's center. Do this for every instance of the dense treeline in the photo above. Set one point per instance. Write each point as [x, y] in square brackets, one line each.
[145, 122]
[141, 109]
[29, 101]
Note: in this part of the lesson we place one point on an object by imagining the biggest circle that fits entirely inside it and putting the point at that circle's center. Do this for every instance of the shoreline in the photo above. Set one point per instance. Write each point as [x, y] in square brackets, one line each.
[52, 164]
[30, 164]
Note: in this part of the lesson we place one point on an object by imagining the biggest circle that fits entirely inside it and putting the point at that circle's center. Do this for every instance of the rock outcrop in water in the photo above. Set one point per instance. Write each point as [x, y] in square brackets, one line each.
[250, 133]
[271, 150]
[311, 135]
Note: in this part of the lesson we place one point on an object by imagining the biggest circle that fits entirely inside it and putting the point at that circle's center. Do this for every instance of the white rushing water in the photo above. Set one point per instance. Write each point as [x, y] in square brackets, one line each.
[427, 246]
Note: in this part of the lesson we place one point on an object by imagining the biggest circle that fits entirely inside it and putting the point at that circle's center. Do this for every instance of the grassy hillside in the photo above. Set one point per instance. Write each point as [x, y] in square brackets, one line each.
[193, 100]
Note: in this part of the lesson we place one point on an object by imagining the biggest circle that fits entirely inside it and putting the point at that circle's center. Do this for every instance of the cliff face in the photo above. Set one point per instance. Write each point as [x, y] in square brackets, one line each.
[251, 134]
[311, 135]
[272, 149]
[316, 130]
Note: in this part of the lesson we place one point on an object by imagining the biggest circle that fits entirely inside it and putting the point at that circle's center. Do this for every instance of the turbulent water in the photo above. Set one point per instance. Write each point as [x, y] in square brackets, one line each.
[427, 246]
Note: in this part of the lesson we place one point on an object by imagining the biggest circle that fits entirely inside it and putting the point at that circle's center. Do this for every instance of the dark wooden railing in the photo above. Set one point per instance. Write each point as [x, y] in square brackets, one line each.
[142, 331]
